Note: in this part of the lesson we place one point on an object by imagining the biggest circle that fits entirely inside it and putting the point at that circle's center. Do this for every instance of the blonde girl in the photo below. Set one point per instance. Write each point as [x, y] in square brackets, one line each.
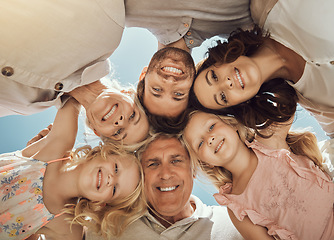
[274, 187]
[44, 193]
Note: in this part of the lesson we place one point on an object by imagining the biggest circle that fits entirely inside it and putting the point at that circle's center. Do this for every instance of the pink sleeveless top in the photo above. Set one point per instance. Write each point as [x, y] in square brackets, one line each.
[287, 193]
[22, 210]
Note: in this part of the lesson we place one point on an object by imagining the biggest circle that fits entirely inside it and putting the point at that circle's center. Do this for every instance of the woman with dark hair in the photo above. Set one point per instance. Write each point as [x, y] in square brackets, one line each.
[251, 75]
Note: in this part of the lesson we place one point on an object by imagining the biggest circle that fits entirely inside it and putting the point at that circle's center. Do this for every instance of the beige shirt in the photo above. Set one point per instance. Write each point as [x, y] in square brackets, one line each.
[194, 20]
[48, 48]
[206, 223]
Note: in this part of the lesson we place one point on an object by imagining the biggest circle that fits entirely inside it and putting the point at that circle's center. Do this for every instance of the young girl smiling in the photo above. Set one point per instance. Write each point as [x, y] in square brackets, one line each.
[272, 187]
[43, 192]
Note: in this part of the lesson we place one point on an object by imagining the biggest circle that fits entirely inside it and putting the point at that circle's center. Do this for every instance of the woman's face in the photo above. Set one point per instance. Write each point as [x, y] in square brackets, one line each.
[228, 84]
[115, 115]
[105, 180]
[214, 142]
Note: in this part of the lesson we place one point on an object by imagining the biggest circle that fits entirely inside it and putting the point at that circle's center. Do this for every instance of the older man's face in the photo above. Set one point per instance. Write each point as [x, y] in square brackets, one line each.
[168, 177]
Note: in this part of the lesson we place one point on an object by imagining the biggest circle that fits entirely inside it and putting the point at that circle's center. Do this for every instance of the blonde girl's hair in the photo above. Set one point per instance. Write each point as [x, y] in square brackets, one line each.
[130, 90]
[301, 143]
[108, 219]
[305, 143]
[217, 175]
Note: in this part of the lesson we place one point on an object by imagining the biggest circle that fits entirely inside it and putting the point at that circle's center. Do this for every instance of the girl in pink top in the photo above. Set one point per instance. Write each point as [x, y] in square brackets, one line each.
[39, 194]
[277, 190]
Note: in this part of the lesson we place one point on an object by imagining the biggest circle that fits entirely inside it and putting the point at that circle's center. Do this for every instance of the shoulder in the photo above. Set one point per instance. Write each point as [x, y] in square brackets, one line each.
[221, 224]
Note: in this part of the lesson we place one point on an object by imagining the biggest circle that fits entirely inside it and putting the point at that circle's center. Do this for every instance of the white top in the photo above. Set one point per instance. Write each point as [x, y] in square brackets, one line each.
[305, 27]
[207, 222]
[51, 47]
[195, 20]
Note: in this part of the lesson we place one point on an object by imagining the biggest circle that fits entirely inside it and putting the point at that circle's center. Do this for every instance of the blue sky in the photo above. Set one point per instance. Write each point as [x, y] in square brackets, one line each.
[135, 51]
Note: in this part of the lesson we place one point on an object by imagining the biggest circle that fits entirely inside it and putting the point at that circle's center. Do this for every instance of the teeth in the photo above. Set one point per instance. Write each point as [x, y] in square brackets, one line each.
[110, 112]
[167, 189]
[219, 146]
[239, 78]
[100, 178]
[172, 70]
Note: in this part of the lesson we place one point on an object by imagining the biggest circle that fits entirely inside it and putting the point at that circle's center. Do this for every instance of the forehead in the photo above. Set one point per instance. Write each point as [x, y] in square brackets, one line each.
[163, 146]
[200, 118]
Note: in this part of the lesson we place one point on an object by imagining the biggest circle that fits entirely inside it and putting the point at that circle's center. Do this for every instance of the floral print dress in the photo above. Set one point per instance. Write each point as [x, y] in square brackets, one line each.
[22, 210]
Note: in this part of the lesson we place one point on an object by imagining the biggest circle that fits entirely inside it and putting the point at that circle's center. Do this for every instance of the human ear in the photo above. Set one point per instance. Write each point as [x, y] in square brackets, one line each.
[96, 133]
[210, 166]
[143, 73]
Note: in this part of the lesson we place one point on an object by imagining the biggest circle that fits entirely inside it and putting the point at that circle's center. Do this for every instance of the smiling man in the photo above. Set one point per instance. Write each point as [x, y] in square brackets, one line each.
[174, 213]
[164, 86]
[167, 81]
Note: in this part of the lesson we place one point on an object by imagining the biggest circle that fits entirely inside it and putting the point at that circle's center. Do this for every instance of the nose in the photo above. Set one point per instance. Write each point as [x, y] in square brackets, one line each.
[169, 80]
[227, 84]
[165, 173]
[210, 140]
[119, 121]
[110, 180]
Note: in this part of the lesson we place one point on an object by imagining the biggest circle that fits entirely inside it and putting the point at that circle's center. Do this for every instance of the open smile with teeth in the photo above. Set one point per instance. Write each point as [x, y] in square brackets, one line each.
[172, 70]
[219, 145]
[99, 179]
[237, 72]
[167, 189]
[112, 110]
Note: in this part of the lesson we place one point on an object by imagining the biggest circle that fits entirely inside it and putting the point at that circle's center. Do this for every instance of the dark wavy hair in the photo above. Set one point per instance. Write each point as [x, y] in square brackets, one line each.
[163, 124]
[275, 102]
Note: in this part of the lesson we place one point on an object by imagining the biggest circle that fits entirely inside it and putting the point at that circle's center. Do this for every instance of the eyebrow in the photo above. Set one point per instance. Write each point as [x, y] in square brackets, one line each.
[179, 99]
[216, 100]
[124, 136]
[138, 119]
[207, 78]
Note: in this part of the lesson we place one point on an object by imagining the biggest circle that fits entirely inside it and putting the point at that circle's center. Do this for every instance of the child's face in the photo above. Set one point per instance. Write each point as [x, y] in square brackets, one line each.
[214, 142]
[228, 84]
[106, 180]
[117, 116]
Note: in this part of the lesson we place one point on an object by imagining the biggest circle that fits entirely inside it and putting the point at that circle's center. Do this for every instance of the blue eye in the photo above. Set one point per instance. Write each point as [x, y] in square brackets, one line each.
[178, 94]
[118, 132]
[176, 161]
[154, 164]
[211, 127]
[157, 89]
[200, 144]
[132, 115]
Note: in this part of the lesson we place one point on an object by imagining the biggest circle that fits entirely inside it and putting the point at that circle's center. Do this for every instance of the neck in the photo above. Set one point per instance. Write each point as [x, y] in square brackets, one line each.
[167, 221]
[86, 94]
[59, 187]
[277, 61]
[242, 169]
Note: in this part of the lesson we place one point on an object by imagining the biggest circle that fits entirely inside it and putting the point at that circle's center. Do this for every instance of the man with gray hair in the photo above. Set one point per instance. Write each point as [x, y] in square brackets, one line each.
[173, 212]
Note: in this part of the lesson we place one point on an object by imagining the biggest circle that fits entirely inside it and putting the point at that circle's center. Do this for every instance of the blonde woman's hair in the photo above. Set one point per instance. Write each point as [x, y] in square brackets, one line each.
[108, 219]
[301, 143]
